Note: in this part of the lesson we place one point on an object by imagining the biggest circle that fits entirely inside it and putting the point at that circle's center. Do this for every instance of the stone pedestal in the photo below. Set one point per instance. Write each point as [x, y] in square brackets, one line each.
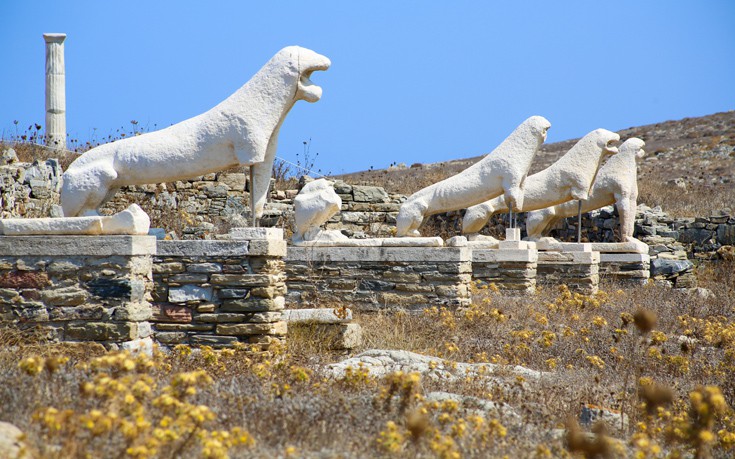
[78, 288]
[511, 270]
[578, 269]
[625, 267]
[373, 278]
[219, 293]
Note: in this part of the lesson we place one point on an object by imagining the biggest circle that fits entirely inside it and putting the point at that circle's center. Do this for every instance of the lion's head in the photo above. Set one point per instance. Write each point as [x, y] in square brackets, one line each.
[633, 145]
[539, 126]
[605, 140]
[302, 63]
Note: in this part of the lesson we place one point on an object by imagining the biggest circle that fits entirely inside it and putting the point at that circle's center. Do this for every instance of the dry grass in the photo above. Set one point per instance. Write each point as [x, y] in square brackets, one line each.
[285, 405]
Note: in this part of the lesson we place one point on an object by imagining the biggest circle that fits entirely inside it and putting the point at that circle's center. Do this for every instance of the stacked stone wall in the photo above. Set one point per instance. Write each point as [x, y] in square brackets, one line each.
[29, 189]
[219, 293]
[77, 288]
[374, 278]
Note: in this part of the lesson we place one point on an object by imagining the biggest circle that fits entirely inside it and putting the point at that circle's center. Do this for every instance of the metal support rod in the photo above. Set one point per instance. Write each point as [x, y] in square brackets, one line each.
[510, 217]
[579, 221]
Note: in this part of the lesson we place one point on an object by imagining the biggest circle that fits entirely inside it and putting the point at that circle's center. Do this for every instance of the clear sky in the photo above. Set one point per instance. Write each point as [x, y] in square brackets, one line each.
[411, 81]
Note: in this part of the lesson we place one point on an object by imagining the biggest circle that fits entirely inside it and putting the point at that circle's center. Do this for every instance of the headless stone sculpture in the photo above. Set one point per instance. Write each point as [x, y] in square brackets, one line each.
[313, 206]
[240, 131]
[616, 183]
[569, 178]
[499, 173]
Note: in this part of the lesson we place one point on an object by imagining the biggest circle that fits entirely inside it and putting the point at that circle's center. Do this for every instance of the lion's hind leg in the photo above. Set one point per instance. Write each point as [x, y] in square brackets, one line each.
[85, 190]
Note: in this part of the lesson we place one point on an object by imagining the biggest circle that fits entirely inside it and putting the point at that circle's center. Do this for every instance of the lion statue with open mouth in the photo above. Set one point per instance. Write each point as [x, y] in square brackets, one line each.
[240, 131]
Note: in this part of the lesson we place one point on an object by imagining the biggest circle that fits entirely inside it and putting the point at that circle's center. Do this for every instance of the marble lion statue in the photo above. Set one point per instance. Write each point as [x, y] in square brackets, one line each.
[240, 131]
[568, 178]
[616, 183]
[501, 172]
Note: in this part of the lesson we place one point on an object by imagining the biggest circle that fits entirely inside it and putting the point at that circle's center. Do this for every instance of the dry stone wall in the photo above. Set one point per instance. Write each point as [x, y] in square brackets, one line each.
[219, 293]
[77, 288]
[374, 278]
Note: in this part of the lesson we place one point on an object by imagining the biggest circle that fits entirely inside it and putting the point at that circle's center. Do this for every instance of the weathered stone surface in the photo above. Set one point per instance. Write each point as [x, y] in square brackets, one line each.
[320, 315]
[189, 293]
[211, 340]
[168, 268]
[204, 268]
[171, 313]
[102, 331]
[20, 280]
[202, 248]
[669, 267]
[232, 293]
[253, 305]
[189, 278]
[250, 280]
[275, 328]
[222, 318]
[12, 444]
[77, 245]
[364, 193]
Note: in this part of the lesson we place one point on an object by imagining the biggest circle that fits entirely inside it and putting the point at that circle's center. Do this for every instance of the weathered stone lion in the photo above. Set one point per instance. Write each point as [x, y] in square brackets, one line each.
[616, 183]
[502, 171]
[242, 130]
[568, 178]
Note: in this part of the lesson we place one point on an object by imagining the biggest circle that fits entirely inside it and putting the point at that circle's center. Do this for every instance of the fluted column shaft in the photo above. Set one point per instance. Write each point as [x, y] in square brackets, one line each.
[55, 90]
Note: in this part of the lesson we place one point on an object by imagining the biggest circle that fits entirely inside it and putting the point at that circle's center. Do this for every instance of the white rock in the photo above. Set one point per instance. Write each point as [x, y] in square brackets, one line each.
[131, 221]
[318, 315]
[379, 362]
[241, 130]
[12, 445]
[616, 183]
[500, 172]
[569, 178]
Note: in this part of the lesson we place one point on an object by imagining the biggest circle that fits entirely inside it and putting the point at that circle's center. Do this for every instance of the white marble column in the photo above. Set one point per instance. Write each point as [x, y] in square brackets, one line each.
[55, 90]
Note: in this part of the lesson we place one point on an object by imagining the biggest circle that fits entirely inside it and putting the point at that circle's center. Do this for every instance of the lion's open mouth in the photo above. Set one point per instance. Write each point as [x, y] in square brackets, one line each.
[311, 92]
[610, 147]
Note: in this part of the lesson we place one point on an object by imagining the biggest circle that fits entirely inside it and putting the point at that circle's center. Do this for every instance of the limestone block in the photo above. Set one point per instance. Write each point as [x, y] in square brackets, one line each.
[171, 313]
[365, 193]
[189, 292]
[320, 315]
[77, 245]
[251, 233]
[102, 331]
[275, 328]
[500, 172]
[192, 248]
[12, 442]
[132, 220]
[240, 131]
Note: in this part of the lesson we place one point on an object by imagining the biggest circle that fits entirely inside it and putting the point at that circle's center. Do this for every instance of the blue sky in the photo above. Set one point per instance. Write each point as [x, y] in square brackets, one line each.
[411, 81]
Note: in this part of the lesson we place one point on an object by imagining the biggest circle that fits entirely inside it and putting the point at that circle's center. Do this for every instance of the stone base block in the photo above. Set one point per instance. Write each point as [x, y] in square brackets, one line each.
[373, 278]
[513, 271]
[578, 270]
[78, 288]
[334, 336]
[625, 267]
